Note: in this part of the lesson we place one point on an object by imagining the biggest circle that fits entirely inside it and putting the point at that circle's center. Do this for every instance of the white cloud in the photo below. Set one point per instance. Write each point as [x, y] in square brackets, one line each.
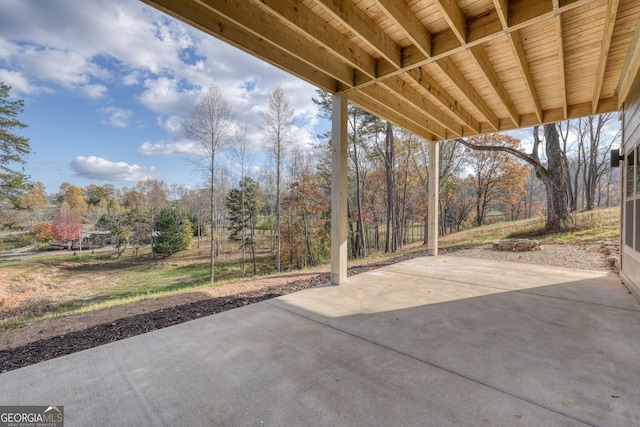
[181, 148]
[18, 83]
[162, 95]
[117, 117]
[97, 168]
[122, 52]
[133, 78]
[95, 91]
[172, 124]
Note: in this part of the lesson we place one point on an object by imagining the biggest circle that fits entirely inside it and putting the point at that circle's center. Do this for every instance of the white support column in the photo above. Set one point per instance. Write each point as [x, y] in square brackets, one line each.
[434, 188]
[339, 144]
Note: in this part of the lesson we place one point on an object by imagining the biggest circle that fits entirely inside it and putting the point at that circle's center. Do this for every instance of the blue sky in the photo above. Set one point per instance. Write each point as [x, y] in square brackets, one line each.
[107, 84]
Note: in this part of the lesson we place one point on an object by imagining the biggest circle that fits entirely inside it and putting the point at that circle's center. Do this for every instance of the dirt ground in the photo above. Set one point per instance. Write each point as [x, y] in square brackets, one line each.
[32, 343]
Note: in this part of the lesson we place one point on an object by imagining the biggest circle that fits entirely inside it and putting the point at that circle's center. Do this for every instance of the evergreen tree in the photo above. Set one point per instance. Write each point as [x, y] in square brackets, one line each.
[170, 237]
[13, 148]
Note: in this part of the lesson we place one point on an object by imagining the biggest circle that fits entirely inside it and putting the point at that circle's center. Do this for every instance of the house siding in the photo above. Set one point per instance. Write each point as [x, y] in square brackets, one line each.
[630, 233]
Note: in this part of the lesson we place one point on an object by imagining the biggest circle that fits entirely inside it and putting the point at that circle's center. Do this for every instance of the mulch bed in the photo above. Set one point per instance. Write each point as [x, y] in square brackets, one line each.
[50, 348]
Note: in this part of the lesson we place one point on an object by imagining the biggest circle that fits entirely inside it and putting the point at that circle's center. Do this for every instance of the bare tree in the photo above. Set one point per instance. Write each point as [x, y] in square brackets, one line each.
[241, 153]
[595, 146]
[209, 128]
[278, 131]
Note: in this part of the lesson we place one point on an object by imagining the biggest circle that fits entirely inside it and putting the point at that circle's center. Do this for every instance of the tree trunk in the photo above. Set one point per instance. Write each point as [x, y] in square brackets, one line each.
[554, 181]
[279, 160]
[552, 176]
[360, 242]
[390, 244]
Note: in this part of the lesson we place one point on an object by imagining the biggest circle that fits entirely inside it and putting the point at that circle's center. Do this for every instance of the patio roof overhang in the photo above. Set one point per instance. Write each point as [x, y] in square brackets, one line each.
[442, 68]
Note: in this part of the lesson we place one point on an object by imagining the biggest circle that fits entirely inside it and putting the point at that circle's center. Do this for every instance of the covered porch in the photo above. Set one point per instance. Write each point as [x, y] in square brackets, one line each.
[431, 341]
[441, 69]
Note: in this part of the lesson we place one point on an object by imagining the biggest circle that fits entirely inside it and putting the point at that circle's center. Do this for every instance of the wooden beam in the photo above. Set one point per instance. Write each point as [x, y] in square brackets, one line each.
[502, 9]
[606, 105]
[480, 57]
[403, 17]
[518, 50]
[395, 103]
[251, 19]
[454, 17]
[523, 13]
[221, 28]
[409, 93]
[339, 188]
[457, 78]
[563, 78]
[301, 19]
[609, 24]
[439, 95]
[361, 25]
[377, 108]
[630, 68]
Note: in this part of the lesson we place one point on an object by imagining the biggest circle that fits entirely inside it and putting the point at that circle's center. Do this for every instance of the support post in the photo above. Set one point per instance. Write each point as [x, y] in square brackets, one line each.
[339, 145]
[434, 204]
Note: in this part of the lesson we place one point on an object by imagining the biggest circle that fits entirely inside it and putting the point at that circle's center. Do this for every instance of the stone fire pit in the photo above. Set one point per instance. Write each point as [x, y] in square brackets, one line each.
[517, 245]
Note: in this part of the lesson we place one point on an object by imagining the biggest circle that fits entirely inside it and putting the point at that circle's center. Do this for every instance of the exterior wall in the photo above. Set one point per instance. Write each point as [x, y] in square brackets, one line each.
[630, 233]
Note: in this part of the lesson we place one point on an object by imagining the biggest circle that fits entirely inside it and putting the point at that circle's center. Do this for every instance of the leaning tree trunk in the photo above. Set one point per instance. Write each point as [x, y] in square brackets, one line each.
[552, 176]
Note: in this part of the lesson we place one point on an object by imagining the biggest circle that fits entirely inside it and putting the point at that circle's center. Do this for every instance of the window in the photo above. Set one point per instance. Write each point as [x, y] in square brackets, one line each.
[637, 171]
[632, 200]
[630, 163]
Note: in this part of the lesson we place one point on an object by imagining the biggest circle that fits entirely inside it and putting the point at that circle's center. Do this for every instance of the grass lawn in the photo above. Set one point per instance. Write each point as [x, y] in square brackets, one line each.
[57, 284]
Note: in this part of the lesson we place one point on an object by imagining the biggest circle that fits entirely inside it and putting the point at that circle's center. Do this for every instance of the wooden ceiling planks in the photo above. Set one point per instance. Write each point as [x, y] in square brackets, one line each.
[441, 68]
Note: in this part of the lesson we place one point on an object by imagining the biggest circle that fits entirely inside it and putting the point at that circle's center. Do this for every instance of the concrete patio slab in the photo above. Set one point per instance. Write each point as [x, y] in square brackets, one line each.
[440, 341]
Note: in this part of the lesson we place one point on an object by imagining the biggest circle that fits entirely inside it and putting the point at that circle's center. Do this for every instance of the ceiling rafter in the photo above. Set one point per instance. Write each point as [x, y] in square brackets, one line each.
[211, 23]
[388, 98]
[518, 50]
[630, 67]
[552, 115]
[360, 24]
[406, 91]
[480, 31]
[502, 9]
[251, 19]
[374, 106]
[441, 96]
[454, 17]
[390, 61]
[457, 78]
[402, 16]
[299, 18]
[563, 77]
[480, 57]
[612, 12]
[522, 14]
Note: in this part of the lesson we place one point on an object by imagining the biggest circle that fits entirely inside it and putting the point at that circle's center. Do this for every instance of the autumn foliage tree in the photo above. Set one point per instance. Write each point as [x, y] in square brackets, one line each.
[44, 233]
[66, 227]
[304, 233]
[496, 175]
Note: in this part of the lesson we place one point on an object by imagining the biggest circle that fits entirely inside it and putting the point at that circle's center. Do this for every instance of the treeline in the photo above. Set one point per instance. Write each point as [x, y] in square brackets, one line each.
[287, 199]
